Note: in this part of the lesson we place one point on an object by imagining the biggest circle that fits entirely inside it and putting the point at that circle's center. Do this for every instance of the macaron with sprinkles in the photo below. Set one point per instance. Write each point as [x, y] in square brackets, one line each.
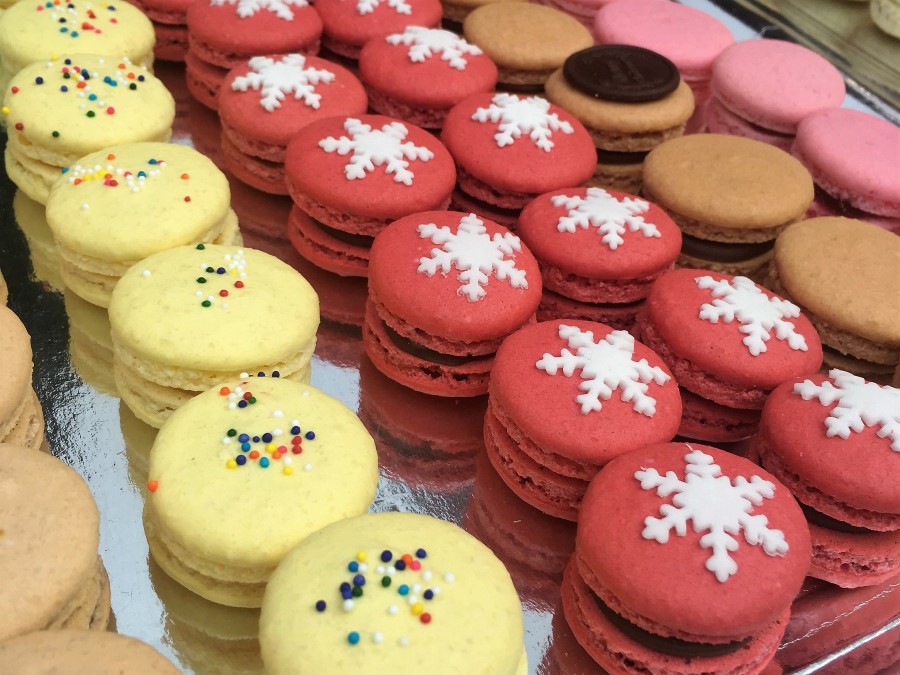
[392, 592]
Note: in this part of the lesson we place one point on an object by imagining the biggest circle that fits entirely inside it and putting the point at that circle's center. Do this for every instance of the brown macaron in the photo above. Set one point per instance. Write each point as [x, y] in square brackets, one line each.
[845, 275]
[731, 196]
[21, 418]
[49, 534]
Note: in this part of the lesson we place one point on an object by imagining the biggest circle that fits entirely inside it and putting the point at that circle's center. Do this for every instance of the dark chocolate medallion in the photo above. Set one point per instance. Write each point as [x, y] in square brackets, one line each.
[621, 73]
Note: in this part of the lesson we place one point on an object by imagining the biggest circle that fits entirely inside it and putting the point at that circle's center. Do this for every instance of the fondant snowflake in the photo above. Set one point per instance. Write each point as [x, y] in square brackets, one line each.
[424, 43]
[757, 313]
[368, 6]
[275, 79]
[474, 253]
[605, 366]
[860, 404]
[609, 215]
[376, 147]
[517, 116]
[247, 8]
[715, 505]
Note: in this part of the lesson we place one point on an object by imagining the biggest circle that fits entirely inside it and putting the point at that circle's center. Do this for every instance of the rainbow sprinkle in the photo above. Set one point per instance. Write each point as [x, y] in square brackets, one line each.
[73, 21]
[233, 265]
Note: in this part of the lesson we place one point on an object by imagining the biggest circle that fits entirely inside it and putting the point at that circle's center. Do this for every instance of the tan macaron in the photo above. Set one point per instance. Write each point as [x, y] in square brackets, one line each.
[456, 11]
[4, 291]
[21, 419]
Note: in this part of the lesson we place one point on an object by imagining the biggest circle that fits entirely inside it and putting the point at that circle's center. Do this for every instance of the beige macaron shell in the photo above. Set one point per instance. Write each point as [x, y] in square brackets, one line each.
[177, 203]
[15, 355]
[476, 625]
[81, 652]
[727, 181]
[48, 538]
[156, 314]
[845, 272]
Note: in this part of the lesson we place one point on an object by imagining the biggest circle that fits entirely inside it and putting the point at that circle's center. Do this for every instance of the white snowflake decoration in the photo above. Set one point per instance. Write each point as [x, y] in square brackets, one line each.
[715, 505]
[860, 404]
[247, 8]
[424, 43]
[517, 116]
[368, 6]
[605, 366]
[276, 79]
[376, 147]
[757, 313]
[611, 216]
[474, 253]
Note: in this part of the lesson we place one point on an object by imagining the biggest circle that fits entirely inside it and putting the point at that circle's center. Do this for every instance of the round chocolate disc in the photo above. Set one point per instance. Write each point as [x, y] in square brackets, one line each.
[621, 73]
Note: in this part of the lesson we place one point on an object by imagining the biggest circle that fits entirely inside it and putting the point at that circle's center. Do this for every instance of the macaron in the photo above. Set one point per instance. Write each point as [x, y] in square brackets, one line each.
[188, 318]
[509, 149]
[169, 18]
[349, 24]
[90, 343]
[31, 217]
[599, 252]
[418, 74]
[445, 289]
[526, 41]
[630, 99]
[267, 469]
[59, 111]
[21, 417]
[425, 588]
[809, 427]
[817, 264]
[115, 207]
[719, 529]
[728, 341]
[566, 397]
[762, 89]
[51, 529]
[730, 196]
[350, 177]
[886, 15]
[224, 34]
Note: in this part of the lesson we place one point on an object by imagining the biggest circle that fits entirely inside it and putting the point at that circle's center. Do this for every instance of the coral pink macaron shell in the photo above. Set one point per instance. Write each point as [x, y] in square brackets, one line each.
[774, 83]
[219, 27]
[344, 23]
[242, 111]
[673, 308]
[669, 583]
[320, 175]
[584, 253]
[434, 303]
[521, 166]
[861, 470]
[543, 406]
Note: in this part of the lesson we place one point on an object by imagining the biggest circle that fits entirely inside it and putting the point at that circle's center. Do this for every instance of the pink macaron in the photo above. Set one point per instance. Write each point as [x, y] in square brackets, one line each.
[169, 19]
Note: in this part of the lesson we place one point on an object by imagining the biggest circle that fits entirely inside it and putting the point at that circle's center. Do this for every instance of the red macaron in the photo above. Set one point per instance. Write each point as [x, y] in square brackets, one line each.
[686, 561]
[169, 19]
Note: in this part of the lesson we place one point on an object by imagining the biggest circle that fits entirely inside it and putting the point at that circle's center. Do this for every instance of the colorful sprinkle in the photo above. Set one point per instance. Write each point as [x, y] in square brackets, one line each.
[353, 637]
[153, 485]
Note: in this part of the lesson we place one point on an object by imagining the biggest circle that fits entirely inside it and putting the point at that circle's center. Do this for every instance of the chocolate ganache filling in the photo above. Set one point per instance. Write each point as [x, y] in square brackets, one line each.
[829, 523]
[615, 157]
[621, 73]
[718, 251]
[361, 240]
[426, 354]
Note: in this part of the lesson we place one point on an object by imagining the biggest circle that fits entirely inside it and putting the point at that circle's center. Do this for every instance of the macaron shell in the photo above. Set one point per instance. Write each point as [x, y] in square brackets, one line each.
[15, 346]
[693, 601]
[353, 22]
[854, 560]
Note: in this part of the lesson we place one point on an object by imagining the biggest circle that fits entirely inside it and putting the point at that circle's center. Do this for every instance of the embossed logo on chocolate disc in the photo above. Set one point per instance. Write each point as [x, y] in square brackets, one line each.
[621, 73]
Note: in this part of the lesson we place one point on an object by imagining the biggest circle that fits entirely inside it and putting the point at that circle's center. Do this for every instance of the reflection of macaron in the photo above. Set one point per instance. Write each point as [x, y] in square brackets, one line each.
[425, 588]
[567, 397]
[817, 265]
[138, 437]
[31, 217]
[90, 343]
[262, 216]
[260, 457]
[4, 290]
[599, 252]
[21, 418]
[265, 101]
[445, 289]
[731, 197]
[565, 656]
[747, 534]
[808, 430]
[51, 528]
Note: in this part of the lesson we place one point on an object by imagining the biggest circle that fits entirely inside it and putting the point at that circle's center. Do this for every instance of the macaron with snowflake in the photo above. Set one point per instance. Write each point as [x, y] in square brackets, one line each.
[246, 471]
[566, 397]
[728, 341]
[835, 442]
[349, 24]
[350, 177]
[728, 538]
[392, 593]
[510, 148]
[265, 101]
[599, 251]
[418, 74]
[445, 289]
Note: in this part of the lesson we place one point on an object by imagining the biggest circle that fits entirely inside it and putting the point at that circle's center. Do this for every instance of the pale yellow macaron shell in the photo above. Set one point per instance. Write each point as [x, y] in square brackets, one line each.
[140, 114]
[249, 516]
[476, 618]
[179, 199]
[157, 315]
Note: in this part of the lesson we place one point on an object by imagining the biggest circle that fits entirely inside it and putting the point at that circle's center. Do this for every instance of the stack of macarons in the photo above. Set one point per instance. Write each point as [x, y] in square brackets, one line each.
[169, 18]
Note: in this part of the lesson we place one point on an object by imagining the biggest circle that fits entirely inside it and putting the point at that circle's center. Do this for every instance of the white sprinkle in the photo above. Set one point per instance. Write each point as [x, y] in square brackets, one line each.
[393, 609]
[348, 605]
[226, 440]
[426, 575]
[277, 432]
[379, 569]
[243, 375]
[224, 305]
[84, 207]
[307, 467]
[412, 599]
[377, 637]
[403, 641]
[416, 588]
[305, 394]
[145, 273]
[199, 294]
[295, 423]
[436, 590]
[449, 577]
[240, 390]
[363, 567]
[278, 413]
[232, 406]
[287, 460]
[391, 571]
